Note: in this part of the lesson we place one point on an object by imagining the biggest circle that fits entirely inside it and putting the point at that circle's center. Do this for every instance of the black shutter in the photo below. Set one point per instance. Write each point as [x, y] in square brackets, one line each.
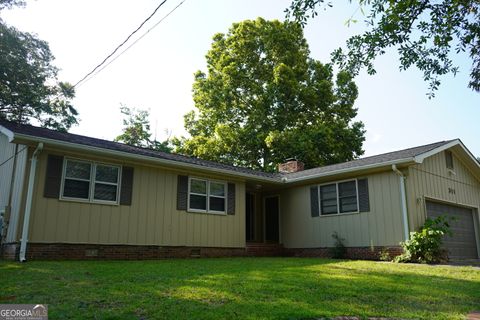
[127, 186]
[182, 192]
[363, 196]
[53, 178]
[231, 199]
[314, 201]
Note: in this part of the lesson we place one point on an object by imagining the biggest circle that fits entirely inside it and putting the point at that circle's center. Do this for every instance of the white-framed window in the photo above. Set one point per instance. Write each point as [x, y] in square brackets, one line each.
[339, 197]
[207, 196]
[90, 181]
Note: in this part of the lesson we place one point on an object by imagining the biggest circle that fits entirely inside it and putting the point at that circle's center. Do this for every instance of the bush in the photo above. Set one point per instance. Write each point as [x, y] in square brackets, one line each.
[384, 255]
[424, 246]
[339, 251]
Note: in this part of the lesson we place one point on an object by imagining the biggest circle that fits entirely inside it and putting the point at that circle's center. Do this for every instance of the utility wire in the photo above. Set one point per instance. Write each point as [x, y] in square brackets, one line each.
[121, 44]
[135, 42]
[4, 162]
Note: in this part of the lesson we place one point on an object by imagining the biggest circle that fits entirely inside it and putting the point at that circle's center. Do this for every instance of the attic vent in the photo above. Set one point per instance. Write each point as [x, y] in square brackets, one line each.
[291, 165]
[449, 159]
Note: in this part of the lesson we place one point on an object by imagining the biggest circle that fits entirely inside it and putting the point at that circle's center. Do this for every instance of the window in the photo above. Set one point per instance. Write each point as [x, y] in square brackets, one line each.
[340, 197]
[207, 196]
[90, 181]
[449, 159]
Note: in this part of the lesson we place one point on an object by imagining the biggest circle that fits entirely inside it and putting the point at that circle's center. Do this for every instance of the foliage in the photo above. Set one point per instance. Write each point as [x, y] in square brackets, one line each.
[29, 89]
[8, 4]
[136, 131]
[426, 34]
[339, 250]
[385, 255]
[424, 246]
[263, 100]
[241, 288]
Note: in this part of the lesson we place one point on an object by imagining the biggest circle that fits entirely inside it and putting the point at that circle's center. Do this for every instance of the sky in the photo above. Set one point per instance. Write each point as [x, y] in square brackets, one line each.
[157, 72]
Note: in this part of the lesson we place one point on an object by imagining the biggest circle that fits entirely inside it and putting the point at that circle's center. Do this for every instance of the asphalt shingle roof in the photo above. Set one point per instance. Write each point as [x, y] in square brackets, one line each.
[116, 146]
[377, 159]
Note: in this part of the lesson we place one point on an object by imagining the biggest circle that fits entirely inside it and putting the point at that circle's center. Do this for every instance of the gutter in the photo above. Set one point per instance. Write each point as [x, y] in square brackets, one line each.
[403, 199]
[28, 205]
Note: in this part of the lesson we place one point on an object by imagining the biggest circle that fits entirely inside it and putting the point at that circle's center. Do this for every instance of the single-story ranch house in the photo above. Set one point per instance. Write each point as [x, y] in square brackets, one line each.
[67, 196]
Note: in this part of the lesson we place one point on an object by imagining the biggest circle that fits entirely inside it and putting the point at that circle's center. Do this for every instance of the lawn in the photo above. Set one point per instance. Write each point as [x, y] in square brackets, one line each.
[243, 288]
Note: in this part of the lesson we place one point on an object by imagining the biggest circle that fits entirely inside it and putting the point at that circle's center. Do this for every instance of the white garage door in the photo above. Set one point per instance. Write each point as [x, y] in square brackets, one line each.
[463, 242]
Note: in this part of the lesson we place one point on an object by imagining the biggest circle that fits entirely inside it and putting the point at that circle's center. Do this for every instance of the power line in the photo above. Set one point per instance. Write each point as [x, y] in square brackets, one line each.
[135, 42]
[121, 44]
[4, 162]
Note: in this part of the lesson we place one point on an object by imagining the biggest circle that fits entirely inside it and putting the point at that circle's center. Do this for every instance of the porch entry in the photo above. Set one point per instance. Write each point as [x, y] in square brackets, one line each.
[261, 218]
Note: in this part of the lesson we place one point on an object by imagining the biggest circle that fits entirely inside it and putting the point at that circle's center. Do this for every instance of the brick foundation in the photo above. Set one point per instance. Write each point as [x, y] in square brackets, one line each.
[64, 251]
[360, 253]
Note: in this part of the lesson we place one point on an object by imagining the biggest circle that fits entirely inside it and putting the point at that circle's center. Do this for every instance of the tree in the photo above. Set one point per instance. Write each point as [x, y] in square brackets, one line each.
[263, 100]
[29, 89]
[425, 33]
[136, 131]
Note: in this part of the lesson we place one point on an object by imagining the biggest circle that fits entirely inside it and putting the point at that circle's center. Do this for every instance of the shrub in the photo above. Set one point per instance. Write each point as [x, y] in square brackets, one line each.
[338, 251]
[424, 246]
[384, 255]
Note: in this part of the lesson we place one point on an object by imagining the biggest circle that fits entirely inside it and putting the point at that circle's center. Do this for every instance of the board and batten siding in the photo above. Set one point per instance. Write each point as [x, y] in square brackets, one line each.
[432, 180]
[7, 159]
[152, 219]
[381, 226]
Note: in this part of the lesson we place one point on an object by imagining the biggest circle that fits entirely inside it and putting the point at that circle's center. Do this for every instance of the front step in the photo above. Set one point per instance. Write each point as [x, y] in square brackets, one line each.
[255, 249]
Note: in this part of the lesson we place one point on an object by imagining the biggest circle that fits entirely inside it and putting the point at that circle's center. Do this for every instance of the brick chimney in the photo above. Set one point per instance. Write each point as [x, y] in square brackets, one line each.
[291, 165]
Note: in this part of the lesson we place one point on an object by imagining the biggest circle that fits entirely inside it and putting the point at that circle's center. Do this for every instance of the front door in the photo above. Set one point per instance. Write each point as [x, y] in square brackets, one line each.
[271, 219]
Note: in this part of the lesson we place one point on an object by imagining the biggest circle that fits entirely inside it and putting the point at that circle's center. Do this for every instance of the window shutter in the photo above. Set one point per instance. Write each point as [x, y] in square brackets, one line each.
[231, 199]
[53, 177]
[127, 186]
[314, 201]
[182, 192]
[363, 197]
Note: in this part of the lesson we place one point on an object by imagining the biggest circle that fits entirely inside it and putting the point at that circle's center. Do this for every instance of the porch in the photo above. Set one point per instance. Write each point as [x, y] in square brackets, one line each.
[262, 225]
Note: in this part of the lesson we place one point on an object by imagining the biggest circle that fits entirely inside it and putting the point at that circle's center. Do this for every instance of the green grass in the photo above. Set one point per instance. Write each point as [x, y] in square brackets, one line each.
[243, 288]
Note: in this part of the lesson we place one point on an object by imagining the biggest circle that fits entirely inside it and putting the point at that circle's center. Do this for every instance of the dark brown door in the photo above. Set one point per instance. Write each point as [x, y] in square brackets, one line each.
[271, 219]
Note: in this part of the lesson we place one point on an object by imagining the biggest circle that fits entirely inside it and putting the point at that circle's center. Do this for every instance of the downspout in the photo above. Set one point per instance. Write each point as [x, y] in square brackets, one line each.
[28, 204]
[403, 199]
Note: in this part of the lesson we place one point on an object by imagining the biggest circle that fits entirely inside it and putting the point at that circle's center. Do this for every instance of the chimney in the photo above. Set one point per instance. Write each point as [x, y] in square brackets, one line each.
[291, 165]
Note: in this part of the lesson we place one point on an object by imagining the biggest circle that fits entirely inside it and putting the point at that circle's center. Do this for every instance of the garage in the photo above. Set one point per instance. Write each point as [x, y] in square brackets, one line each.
[463, 242]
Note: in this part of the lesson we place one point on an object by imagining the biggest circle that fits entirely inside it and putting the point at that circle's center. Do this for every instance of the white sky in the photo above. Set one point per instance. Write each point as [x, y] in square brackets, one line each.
[157, 73]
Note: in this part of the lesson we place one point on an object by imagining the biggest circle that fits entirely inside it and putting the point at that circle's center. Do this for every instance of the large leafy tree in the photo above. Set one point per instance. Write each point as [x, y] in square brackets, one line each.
[29, 89]
[263, 100]
[427, 34]
[136, 130]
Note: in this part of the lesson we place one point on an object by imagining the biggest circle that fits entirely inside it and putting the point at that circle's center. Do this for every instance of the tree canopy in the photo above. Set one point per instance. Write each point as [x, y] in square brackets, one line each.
[136, 130]
[29, 88]
[427, 34]
[263, 100]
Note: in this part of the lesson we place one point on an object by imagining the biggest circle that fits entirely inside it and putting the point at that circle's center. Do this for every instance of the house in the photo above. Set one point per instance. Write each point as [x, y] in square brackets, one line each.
[67, 196]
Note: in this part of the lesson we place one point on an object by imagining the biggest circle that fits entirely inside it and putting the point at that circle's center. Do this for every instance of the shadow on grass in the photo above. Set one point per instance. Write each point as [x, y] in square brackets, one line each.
[243, 288]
